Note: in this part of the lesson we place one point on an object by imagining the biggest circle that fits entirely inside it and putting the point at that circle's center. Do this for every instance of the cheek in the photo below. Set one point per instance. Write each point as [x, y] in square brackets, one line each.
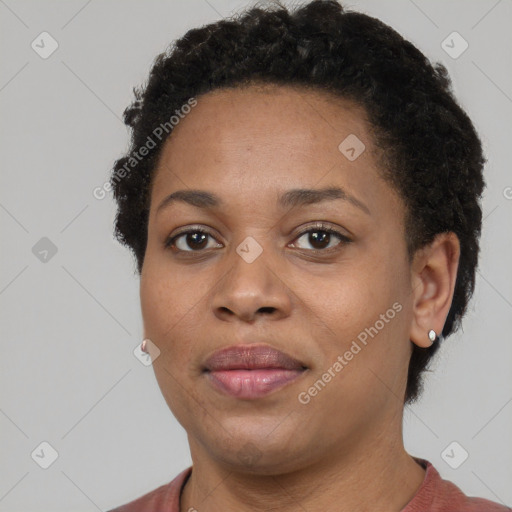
[168, 297]
[167, 311]
[155, 299]
[164, 305]
[355, 298]
[173, 311]
[364, 315]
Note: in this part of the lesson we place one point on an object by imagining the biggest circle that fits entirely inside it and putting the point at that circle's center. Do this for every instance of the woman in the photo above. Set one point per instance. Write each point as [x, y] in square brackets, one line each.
[302, 196]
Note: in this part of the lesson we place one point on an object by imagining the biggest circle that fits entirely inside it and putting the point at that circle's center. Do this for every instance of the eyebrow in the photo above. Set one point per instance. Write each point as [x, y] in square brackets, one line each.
[290, 199]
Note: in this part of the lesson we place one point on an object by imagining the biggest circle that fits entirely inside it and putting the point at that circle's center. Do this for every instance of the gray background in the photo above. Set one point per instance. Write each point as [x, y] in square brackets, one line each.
[70, 324]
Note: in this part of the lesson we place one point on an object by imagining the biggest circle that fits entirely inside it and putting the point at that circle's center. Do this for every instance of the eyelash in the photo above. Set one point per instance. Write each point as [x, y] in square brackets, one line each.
[320, 227]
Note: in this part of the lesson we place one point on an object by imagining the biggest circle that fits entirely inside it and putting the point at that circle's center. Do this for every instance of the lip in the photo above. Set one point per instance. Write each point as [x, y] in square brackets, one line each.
[251, 371]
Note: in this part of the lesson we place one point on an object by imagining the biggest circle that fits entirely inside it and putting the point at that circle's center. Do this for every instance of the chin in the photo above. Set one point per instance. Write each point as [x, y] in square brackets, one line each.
[259, 450]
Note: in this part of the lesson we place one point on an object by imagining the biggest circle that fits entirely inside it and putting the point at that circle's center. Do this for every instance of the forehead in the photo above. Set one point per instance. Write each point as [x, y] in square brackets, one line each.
[271, 112]
[263, 131]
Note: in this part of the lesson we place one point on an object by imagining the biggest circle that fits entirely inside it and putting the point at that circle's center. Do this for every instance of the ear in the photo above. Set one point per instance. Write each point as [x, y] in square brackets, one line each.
[434, 272]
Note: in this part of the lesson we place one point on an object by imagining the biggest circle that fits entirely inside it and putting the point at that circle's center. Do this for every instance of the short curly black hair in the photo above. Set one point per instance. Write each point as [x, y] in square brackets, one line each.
[432, 154]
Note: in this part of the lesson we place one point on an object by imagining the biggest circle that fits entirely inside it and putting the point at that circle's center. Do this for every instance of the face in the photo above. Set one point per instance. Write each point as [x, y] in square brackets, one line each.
[324, 279]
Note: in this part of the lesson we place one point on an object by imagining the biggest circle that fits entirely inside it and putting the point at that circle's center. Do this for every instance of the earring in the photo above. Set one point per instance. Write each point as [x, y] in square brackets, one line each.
[143, 346]
[432, 335]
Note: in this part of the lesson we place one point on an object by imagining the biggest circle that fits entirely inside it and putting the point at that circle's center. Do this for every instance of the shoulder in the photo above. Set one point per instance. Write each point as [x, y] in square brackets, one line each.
[439, 495]
[167, 495]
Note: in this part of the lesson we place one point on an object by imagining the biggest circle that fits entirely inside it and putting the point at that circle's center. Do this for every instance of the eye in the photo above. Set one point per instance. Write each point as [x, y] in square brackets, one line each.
[196, 239]
[321, 238]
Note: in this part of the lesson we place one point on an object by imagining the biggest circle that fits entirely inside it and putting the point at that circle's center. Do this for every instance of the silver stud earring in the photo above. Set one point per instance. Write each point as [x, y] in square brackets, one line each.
[432, 335]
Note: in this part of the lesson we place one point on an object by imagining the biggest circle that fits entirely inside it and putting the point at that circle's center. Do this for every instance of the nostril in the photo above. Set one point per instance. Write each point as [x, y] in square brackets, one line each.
[268, 309]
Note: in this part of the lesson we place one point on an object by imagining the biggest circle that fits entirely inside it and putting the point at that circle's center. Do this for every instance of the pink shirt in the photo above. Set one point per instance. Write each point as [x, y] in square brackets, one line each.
[434, 495]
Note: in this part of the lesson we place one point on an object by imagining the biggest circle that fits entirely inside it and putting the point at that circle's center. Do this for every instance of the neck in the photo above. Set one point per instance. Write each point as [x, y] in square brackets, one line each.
[380, 475]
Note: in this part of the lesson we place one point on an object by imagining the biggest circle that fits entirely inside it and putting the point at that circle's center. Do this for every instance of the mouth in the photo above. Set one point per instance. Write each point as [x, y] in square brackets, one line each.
[251, 371]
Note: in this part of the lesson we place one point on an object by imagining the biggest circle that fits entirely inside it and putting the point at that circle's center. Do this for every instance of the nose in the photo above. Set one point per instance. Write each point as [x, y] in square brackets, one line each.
[250, 290]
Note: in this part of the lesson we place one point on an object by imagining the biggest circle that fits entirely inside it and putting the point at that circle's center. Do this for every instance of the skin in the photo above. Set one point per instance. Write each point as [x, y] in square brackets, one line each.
[343, 450]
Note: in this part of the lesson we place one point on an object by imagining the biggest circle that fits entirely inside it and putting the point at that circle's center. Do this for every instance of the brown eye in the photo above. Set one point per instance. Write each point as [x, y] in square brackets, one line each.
[193, 240]
[322, 238]
[319, 239]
